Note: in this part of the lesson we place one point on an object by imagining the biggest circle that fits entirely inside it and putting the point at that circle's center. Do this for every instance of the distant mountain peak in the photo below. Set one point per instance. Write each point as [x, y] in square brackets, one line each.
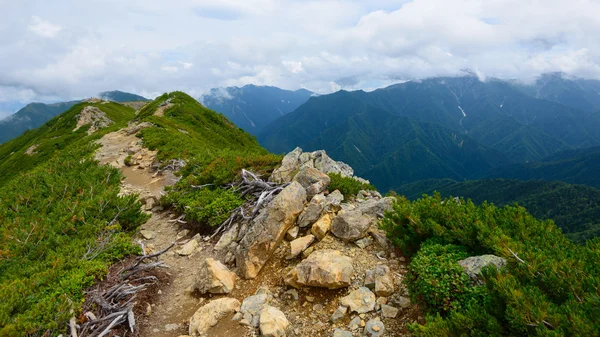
[120, 96]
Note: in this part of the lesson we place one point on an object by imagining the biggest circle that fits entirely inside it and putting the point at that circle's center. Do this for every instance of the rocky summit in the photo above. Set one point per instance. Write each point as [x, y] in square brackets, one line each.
[311, 262]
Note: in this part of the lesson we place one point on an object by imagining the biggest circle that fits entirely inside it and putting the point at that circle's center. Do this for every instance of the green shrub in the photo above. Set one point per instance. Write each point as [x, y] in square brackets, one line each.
[348, 186]
[550, 290]
[206, 206]
[128, 161]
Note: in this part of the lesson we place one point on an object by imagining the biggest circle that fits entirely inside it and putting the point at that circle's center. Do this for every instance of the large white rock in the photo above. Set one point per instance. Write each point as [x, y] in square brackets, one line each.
[214, 277]
[273, 322]
[210, 314]
[325, 268]
[268, 230]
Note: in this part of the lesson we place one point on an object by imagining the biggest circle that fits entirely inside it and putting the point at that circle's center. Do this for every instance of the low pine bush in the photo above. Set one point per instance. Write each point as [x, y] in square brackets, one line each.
[348, 186]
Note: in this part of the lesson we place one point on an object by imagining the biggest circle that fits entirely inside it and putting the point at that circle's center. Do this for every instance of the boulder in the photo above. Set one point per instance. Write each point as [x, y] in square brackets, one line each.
[299, 245]
[313, 180]
[380, 280]
[376, 208]
[210, 314]
[320, 228]
[227, 238]
[289, 167]
[325, 268]
[253, 305]
[361, 300]
[474, 265]
[273, 322]
[268, 229]
[327, 165]
[380, 237]
[350, 225]
[214, 277]
[364, 242]
[292, 234]
[334, 201]
[312, 212]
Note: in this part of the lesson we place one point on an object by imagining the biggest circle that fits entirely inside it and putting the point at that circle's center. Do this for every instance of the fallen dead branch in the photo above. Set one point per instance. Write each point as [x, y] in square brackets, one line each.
[115, 305]
[261, 193]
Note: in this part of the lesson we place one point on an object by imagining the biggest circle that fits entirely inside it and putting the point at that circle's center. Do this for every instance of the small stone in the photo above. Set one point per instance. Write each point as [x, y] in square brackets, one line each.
[237, 317]
[374, 328]
[292, 234]
[320, 228]
[318, 325]
[310, 298]
[339, 313]
[404, 302]
[362, 323]
[354, 323]
[364, 242]
[317, 307]
[361, 300]
[171, 327]
[292, 294]
[299, 245]
[342, 333]
[147, 234]
[182, 233]
[148, 309]
[388, 311]
[307, 252]
[188, 248]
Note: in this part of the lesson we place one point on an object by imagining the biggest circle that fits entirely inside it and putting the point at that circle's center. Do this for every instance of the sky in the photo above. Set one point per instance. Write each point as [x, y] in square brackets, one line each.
[69, 49]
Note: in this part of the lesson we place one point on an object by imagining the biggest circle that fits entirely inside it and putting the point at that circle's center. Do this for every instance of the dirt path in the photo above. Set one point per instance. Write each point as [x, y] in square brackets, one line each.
[308, 312]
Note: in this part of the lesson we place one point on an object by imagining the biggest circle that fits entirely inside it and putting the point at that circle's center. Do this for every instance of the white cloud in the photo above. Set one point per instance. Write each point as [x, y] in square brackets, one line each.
[43, 28]
[323, 45]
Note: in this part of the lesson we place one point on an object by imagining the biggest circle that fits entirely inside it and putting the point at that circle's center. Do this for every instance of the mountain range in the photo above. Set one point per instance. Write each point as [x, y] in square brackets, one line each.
[451, 127]
[252, 107]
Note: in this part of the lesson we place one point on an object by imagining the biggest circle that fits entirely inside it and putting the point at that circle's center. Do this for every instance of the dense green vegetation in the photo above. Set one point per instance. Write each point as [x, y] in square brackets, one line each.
[549, 288]
[574, 166]
[61, 223]
[382, 147]
[349, 187]
[457, 128]
[574, 208]
[253, 107]
[215, 151]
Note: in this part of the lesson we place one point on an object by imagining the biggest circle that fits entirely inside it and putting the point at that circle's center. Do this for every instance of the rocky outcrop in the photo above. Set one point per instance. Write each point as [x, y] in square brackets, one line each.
[253, 305]
[474, 265]
[351, 225]
[313, 180]
[273, 322]
[268, 229]
[319, 160]
[376, 208]
[210, 314]
[323, 268]
[214, 277]
[94, 117]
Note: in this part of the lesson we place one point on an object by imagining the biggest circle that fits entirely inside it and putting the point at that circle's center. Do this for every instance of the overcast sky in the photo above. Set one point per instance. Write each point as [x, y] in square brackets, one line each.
[70, 49]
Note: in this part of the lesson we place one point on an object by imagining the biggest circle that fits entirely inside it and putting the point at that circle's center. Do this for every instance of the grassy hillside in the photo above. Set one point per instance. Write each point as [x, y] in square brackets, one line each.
[56, 135]
[574, 208]
[62, 222]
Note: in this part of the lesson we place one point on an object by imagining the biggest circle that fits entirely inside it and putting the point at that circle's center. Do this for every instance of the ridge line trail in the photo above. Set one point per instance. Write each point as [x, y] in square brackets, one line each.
[172, 306]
